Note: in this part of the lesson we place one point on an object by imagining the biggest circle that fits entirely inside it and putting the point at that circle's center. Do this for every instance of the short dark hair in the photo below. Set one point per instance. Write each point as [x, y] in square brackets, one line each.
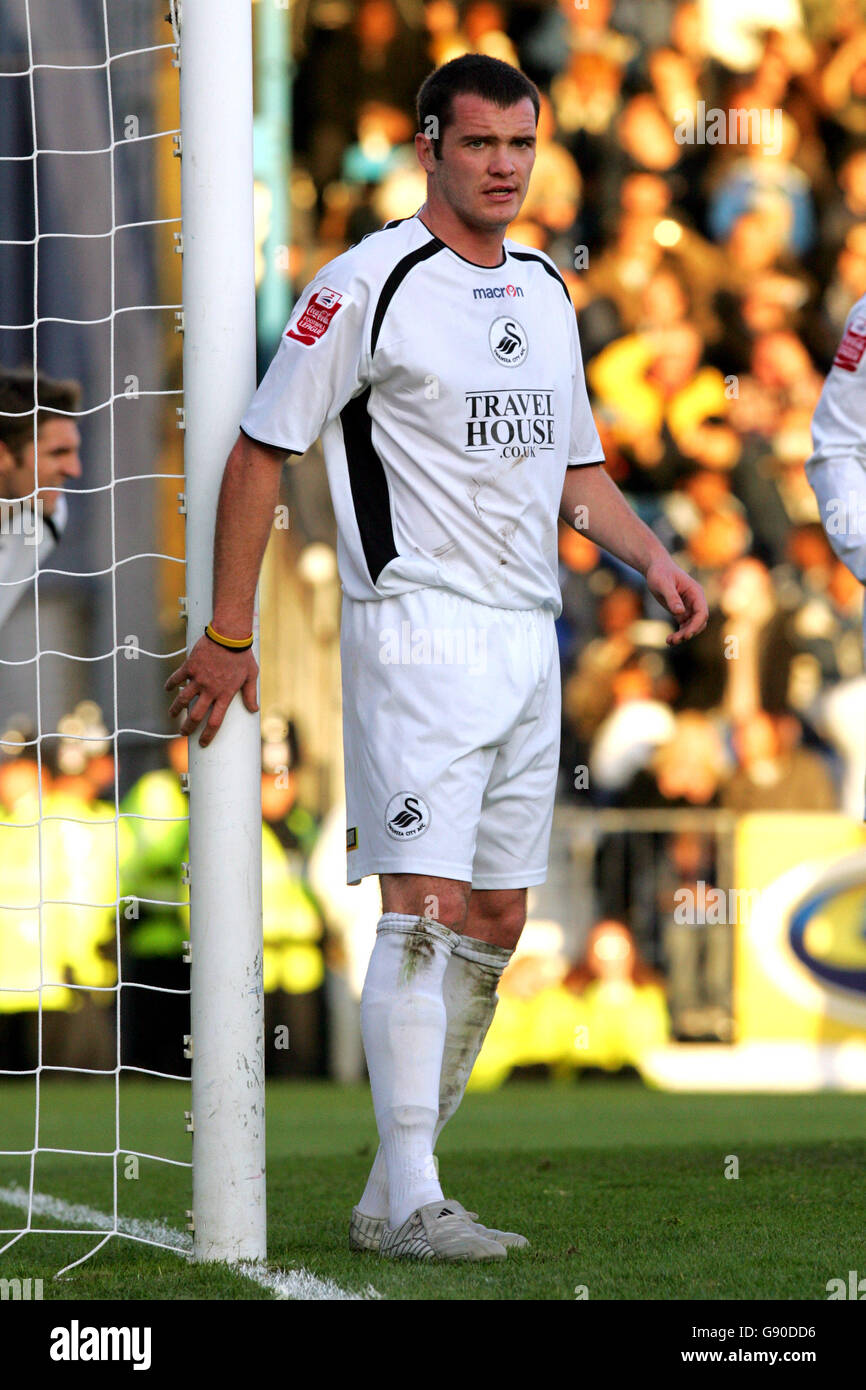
[19, 388]
[474, 74]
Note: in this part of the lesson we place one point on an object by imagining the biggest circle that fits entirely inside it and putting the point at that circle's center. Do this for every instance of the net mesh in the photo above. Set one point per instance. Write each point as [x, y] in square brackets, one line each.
[87, 301]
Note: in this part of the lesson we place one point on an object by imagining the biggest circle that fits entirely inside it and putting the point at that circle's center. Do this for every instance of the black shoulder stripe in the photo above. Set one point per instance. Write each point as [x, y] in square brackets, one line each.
[395, 279]
[554, 274]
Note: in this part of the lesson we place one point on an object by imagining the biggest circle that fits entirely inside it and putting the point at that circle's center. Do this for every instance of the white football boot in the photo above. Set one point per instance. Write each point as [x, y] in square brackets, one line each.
[365, 1232]
[510, 1239]
[439, 1231]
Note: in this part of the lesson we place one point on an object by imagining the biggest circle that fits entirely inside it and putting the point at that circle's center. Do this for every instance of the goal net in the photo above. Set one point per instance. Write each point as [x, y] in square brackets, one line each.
[96, 1046]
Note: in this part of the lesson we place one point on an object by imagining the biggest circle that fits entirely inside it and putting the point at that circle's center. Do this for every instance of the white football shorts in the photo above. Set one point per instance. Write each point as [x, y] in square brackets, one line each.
[839, 484]
[451, 728]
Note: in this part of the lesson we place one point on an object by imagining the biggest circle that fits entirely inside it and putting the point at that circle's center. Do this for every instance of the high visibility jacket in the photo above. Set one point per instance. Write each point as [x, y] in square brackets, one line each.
[58, 890]
[80, 873]
[607, 1025]
[154, 814]
[291, 923]
[30, 954]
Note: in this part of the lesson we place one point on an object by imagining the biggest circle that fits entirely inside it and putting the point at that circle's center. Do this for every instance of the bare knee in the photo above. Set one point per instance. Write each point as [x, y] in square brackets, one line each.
[497, 915]
[446, 900]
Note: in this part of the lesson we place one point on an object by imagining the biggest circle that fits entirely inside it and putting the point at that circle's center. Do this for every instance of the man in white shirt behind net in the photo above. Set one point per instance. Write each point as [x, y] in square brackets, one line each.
[33, 508]
[440, 363]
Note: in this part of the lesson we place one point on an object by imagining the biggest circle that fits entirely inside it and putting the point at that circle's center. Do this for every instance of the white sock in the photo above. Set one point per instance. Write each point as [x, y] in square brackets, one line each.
[403, 1024]
[470, 998]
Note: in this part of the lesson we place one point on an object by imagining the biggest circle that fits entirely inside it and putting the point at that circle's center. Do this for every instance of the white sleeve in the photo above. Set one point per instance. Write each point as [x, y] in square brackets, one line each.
[322, 361]
[584, 445]
[837, 467]
[839, 422]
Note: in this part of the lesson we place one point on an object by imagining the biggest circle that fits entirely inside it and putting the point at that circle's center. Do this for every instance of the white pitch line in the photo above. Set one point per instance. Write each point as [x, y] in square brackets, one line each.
[76, 1215]
[283, 1284]
[300, 1284]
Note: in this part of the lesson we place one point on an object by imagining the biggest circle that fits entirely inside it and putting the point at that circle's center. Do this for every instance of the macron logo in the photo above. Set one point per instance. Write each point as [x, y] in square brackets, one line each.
[76, 1343]
[498, 292]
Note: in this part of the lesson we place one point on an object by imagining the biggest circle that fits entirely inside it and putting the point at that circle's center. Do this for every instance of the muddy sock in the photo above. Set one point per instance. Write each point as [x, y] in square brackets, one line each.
[403, 1022]
[469, 991]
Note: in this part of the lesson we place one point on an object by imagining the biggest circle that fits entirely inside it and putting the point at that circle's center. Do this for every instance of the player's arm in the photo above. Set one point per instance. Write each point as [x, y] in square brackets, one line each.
[314, 372]
[212, 675]
[593, 504]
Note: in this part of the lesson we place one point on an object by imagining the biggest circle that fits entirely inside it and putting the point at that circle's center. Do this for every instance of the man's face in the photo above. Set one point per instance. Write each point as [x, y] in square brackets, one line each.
[487, 157]
[59, 442]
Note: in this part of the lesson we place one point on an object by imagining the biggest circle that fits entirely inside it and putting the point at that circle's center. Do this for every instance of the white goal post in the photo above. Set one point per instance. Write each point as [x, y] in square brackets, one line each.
[216, 99]
[88, 125]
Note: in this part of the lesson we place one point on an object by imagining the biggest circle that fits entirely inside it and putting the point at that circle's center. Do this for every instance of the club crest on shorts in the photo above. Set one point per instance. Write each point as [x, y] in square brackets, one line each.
[508, 341]
[407, 816]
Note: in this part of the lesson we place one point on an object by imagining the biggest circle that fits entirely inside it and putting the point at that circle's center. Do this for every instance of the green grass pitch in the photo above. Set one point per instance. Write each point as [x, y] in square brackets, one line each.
[621, 1190]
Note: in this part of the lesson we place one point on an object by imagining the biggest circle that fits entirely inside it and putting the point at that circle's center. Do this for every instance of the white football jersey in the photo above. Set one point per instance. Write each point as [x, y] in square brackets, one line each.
[450, 399]
[837, 467]
[839, 421]
[25, 539]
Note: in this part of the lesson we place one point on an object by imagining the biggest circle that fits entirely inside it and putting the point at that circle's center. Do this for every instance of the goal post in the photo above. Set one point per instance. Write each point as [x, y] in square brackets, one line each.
[219, 357]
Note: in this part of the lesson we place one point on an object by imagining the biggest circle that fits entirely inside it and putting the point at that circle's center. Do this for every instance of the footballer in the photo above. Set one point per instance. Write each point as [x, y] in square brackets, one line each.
[439, 362]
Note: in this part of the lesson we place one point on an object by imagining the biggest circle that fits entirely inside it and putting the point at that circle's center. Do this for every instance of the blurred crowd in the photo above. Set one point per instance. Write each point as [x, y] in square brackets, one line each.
[711, 278]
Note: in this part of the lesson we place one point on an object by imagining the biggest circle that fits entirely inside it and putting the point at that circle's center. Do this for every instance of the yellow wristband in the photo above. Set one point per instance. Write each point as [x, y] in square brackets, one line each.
[234, 644]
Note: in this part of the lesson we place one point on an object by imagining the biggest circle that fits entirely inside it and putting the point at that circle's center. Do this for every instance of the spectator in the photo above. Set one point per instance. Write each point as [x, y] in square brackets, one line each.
[484, 27]
[644, 140]
[39, 443]
[687, 770]
[782, 375]
[768, 176]
[773, 773]
[652, 379]
[637, 725]
[698, 954]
